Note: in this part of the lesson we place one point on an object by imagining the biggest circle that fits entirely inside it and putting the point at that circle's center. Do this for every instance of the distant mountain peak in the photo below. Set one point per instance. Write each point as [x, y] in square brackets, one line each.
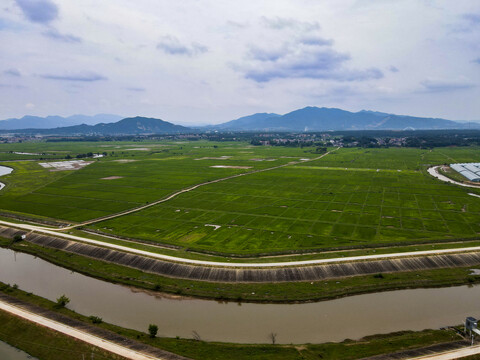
[312, 118]
[54, 121]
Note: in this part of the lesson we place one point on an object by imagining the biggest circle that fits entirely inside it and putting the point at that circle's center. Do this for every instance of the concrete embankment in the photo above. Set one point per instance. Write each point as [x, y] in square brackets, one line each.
[253, 275]
[96, 336]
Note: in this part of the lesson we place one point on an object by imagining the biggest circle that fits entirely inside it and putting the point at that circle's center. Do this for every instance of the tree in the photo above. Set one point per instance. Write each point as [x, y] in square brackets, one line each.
[273, 337]
[62, 301]
[152, 330]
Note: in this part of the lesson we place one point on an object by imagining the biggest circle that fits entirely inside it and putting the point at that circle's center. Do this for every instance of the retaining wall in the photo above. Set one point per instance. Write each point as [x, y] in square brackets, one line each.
[254, 275]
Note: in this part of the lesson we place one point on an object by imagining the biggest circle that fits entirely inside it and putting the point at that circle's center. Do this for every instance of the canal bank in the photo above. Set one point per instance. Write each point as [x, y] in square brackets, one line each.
[242, 322]
[401, 345]
[8, 352]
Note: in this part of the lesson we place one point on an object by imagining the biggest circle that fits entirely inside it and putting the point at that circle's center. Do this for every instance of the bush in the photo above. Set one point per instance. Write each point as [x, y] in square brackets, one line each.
[62, 301]
[152, 330]
[17, 238]
[95, 319]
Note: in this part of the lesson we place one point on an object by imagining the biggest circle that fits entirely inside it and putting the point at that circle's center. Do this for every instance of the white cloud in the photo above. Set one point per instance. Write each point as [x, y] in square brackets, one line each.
[209, 61]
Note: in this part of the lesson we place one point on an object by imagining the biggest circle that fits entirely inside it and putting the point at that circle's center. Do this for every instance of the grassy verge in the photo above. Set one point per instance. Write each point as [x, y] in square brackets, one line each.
[44, 343]
[318, 254]
[265, 292]
[41, 343]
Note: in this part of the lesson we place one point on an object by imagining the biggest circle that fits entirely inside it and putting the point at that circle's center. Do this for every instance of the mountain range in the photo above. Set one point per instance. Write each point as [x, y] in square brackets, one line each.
[302, 120]
[331, 119]
[128, 126]
[50, 122]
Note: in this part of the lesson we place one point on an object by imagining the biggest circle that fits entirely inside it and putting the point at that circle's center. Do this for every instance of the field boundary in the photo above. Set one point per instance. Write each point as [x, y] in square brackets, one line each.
[188, 189]
[331, 269]
[9, 232]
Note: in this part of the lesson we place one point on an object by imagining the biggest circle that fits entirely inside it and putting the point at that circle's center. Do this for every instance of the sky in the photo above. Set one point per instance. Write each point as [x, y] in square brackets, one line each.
[209, 61]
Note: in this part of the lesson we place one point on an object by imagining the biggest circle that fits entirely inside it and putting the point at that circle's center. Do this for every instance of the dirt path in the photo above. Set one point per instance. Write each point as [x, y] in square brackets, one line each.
[190, 189]
[101, 338]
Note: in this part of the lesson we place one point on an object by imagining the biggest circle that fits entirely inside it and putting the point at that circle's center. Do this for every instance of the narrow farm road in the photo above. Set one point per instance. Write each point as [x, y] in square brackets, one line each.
[76, 333]
[451, 355]
[233, 264]
[130, 211]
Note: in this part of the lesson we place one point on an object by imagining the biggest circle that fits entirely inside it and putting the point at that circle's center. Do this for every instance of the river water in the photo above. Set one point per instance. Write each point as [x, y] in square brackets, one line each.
[4, 170]
[335, 320]
[8, 352]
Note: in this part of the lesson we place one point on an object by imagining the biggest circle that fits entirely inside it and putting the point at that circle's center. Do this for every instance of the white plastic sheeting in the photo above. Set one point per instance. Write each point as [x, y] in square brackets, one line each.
[470, 170]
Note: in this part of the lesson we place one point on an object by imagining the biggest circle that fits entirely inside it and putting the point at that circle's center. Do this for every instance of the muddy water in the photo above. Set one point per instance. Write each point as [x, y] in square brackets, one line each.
[4, 170]
[8, 352]
[334, 320]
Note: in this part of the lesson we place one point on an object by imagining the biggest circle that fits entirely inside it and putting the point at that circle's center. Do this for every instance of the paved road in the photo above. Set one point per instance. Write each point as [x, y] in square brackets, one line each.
[75, 333]
[43, 230]
[434, 172]
[451, 355]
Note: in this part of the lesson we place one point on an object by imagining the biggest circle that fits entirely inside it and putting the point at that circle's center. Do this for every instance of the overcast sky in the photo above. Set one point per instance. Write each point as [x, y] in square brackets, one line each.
[209, 61]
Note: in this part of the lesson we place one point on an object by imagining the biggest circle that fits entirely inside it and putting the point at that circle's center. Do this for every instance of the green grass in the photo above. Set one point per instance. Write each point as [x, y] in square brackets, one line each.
[46, 344]
[84, 194]
[254, 292]
[42, 342]
[351, 198]
[288, 256]
[314, 206]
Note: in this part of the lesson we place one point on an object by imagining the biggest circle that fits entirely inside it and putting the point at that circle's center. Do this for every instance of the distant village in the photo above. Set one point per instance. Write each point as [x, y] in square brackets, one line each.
[364, 139]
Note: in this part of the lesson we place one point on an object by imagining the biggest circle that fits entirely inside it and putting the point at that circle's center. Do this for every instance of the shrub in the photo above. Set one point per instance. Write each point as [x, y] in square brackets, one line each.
[152, 330]
[62, 301]
[17, 238]
[95, 319]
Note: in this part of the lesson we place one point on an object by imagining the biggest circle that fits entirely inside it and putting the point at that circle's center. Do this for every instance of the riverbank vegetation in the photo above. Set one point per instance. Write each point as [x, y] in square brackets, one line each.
[27, 336]
[253, 292]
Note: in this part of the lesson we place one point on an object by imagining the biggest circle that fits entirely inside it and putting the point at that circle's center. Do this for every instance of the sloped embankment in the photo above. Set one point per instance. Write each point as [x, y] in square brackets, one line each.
[253, 275]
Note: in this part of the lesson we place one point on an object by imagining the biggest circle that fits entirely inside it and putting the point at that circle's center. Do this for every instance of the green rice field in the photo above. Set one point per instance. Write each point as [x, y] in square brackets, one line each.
[352, 197]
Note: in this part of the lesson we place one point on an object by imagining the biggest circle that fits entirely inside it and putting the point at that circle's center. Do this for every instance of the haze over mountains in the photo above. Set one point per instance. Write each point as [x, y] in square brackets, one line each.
[50, 122]
[128, 126]
[325, 119]
[302, 120]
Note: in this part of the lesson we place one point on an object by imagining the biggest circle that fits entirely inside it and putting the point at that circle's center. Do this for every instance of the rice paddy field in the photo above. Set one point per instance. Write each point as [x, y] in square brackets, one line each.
[351, 197]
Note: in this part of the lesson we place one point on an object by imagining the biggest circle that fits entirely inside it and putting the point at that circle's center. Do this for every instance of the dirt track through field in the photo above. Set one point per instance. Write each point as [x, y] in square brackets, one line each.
[127, 212]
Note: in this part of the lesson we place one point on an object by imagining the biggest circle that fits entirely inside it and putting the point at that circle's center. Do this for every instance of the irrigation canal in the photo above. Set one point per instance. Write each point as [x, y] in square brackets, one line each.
[4, 170]
[351, 317]
[8, 352]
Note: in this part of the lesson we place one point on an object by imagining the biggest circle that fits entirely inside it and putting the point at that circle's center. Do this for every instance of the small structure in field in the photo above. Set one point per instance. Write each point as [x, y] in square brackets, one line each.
[65, 165]
[469, 170]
